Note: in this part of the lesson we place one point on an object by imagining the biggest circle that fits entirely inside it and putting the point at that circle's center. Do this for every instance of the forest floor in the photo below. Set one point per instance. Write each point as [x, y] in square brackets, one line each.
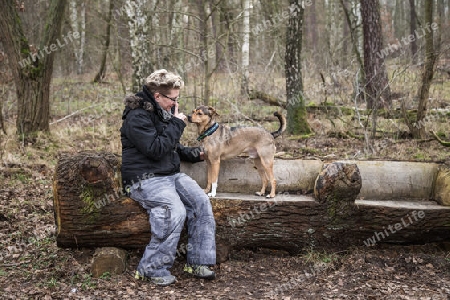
[33, 267]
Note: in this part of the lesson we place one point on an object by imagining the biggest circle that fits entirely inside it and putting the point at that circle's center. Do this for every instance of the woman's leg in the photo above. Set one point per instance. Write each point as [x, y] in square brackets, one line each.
[167, 215]
[201, 249]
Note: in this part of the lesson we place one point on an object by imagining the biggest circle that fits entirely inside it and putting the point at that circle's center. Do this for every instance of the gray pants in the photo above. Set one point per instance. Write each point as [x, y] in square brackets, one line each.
[168, 201]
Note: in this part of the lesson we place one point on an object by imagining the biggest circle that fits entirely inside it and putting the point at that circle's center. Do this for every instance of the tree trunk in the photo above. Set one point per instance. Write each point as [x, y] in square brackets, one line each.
[313, 26]
[102, 71]
[76, 25]
[90, 211]
[140, 51]
[345, 36]
[355, 43]
[203, 55]
[231, 42]
[418, 130]
[245, 49]
[32, 67]
[377, 91]
[412, 29]
[2, 122]
[296, 112]
[219, 32]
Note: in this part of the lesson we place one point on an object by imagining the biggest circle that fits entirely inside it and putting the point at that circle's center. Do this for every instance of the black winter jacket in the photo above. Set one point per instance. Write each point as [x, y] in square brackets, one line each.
[150, 143]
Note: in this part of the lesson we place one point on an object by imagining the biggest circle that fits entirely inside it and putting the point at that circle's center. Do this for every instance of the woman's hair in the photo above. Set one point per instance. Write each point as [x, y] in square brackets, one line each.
[163, 81]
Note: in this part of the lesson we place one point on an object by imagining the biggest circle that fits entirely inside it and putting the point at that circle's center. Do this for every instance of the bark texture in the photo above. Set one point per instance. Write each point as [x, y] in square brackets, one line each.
[296, 112]
[90, 209]
[31, 65]
[418, 128]
[337, 187]
[139, 28]
[102, 70]
[377, 91]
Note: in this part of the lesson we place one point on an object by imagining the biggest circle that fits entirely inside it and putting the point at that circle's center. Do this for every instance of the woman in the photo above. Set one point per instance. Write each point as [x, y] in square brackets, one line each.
[151, 153]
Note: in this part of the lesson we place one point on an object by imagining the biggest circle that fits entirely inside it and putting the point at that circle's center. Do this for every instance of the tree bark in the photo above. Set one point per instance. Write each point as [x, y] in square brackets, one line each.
[377, 91]
[203, 8]
[90, 209]
[79, 46]
[355, 42]
[412, 29]
[337, 187]
[218, 33]
[139, 42]
[245, 49]
[418, 131]
[32, 67]
[296, 112]
[102, 70]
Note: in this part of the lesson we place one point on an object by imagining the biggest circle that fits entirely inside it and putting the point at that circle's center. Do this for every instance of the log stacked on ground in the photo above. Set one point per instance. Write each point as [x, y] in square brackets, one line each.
[90, 211]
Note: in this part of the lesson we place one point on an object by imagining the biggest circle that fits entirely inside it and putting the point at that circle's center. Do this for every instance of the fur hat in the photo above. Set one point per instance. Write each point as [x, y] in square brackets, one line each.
[163, 79]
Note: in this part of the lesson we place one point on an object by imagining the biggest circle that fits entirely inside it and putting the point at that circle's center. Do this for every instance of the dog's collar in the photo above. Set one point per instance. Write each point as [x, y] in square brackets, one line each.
[208, 131]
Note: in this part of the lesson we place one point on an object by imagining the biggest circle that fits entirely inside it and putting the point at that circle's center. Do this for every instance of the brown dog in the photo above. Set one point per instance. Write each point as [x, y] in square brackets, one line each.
[221, 142]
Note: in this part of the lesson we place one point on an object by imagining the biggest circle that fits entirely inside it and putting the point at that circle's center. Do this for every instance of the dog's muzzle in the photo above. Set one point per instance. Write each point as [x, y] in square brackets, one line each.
[189, 118]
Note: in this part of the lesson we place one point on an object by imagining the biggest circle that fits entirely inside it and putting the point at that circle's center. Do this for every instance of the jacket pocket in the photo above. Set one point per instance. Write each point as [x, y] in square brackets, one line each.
[160, 222]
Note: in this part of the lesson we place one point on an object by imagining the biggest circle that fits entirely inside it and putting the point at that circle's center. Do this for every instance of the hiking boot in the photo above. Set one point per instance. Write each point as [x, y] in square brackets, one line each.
[200, 271]
[161, 281]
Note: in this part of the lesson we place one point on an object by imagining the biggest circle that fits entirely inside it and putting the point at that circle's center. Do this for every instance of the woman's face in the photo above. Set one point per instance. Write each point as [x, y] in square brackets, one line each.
[167, 101]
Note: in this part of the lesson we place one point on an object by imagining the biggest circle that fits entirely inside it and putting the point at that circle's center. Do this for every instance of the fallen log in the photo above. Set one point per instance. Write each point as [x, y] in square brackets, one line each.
[91, 211]
[90, 208]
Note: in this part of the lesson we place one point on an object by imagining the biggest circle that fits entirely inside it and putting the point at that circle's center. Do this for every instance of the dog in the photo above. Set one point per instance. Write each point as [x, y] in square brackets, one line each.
[221, 142]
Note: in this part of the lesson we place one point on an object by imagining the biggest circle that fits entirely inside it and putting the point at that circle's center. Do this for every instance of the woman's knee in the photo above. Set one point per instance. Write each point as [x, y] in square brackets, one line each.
[178, 215]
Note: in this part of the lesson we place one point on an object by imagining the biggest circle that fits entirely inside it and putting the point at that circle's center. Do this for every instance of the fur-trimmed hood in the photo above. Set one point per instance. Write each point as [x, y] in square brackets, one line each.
[145, 101]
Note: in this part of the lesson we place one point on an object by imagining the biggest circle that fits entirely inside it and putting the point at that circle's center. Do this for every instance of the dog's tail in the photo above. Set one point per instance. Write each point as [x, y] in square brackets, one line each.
[282, 128]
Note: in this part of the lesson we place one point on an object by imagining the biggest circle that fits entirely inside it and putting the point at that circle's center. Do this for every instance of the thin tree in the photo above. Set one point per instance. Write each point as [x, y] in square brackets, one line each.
[296, 109]
[352, 25]
[377, 91]
[31, 66]
[139, 28]
[245, 48]
[78, 22]
[204, 15]
[102, 70]
[431, 56]
[412, 29]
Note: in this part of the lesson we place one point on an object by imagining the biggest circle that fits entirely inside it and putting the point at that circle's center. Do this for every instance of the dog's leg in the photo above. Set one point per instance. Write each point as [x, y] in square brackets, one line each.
[268, 168]
[209, 181]
[262, 175]
[213, 176]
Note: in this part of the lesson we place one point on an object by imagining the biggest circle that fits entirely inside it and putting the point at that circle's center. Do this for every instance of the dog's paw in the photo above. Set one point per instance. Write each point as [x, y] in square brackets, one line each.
[269, 196]
[259, 194]
[211, 195]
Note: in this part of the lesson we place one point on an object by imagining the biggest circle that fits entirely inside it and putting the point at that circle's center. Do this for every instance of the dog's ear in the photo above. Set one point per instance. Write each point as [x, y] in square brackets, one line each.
[212, 111]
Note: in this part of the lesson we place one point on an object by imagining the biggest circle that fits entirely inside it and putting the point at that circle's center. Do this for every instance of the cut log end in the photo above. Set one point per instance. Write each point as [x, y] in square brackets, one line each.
[337, 187]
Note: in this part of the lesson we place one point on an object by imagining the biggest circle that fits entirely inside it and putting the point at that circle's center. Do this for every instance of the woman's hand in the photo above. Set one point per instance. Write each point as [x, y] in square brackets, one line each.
[179, 115]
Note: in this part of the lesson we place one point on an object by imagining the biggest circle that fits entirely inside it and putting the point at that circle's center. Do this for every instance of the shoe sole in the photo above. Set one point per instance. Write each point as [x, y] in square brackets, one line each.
[140, 277]
[211, 277]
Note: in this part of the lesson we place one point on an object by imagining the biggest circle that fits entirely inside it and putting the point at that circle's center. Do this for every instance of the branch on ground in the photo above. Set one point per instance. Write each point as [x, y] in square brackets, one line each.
[442, 142]
[271, 100]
